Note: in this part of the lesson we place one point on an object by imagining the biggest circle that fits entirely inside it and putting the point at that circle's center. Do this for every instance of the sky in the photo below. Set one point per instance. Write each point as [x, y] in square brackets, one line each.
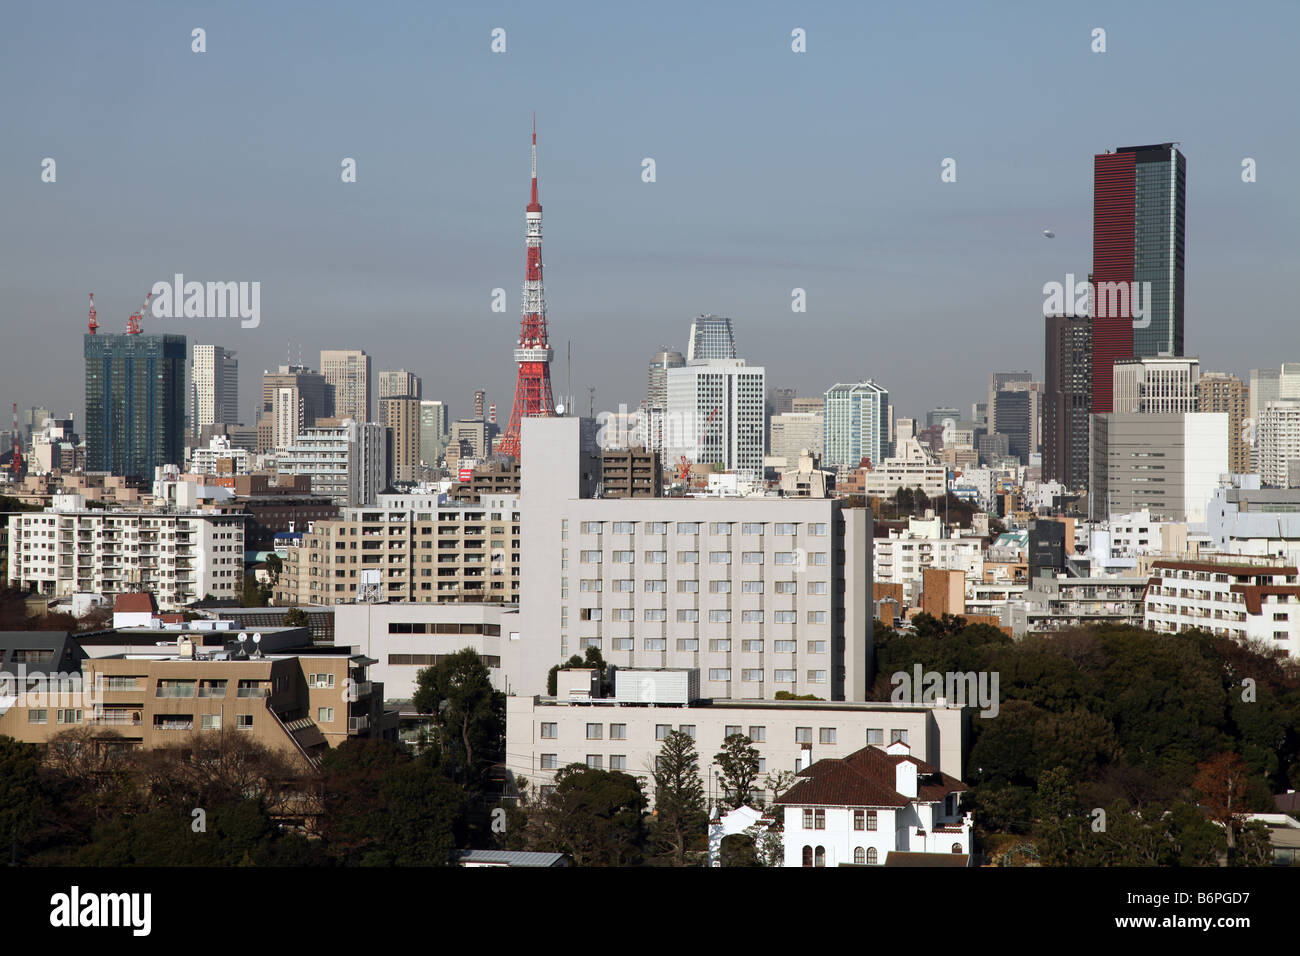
[774, 171]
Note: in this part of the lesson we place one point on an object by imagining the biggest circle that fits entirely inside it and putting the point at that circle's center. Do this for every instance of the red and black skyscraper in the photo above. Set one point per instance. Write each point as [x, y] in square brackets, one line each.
[1139, 202]
[533, 353]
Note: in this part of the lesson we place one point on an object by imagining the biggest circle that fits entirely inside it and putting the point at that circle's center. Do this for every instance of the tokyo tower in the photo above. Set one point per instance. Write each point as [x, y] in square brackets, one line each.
[533, 353]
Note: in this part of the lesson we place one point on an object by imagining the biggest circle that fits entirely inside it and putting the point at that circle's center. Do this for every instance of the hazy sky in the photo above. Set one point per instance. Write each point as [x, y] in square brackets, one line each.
[775, 170]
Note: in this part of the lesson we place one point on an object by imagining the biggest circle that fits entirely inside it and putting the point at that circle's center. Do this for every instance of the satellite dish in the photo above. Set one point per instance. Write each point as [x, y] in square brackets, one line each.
[257, 638]
[1049, 234]
[242, 638]
[559, 409]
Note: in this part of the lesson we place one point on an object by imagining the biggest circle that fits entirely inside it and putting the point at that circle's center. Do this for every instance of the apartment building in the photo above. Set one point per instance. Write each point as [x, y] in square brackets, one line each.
[1248, 599]
[912, 467]
[401, 416]
[544, 734]
[1278, 443]
[403, 638]
[761, 594]
[420, 548]
[300, 704]
[1057, 602]
[180, 556]
[902, 557]
[347, 461]
[1258, 521]
[631, 473]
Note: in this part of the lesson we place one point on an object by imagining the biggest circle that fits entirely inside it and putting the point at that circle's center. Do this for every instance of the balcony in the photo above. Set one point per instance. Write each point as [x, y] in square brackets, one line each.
[358, 725]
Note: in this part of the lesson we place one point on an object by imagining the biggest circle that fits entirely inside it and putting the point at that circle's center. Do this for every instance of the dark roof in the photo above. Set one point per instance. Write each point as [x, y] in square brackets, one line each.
[866, 778]
[64, 653]
[1287, 802]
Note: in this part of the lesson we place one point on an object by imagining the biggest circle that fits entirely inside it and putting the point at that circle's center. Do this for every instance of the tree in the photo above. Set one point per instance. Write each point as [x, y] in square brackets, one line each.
[1222, 786]
[681, 818]
[274, 567]
[779, 782]
[592, 658]
[595, 816]
[296, 617]
[738, 849]
[739, 763]
[20, 794]
[254, 594]
[468, 715]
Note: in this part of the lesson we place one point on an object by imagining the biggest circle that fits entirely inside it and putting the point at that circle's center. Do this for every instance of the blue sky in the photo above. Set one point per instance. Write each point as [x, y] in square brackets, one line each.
[775, 170]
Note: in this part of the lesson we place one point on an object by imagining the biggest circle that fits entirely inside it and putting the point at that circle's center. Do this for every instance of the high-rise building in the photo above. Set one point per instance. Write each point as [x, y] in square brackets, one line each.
[1139, 199]
[937, 416]
[348, 371]
[1017, 408]
[1167, 464]
[399, 384]
[656, 402]
[433, 431]
[308, 400]
[347, 462]
[1225, 393]
[856, 422]
[1279, 443]
[715, 414]
[533, 351]
[997, 382]
[135, 403]
[401, 416]
[1067, 398]
[214, 396]
[1155, 386]
[794, 432]
[712, 337]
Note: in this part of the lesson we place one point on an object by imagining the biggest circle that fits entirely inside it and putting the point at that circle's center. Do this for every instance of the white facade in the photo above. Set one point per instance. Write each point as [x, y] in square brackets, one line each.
[794, 432]
[1278, 435]
[1256, 522]
[348, 370]
[543, 735]
[715, 414]
[1243, 598]
[1156, 385]
[903, 557]
[347, 462]
[203, 461]
[215, 394]
[179, 556]
[911, 467]
[761, 594]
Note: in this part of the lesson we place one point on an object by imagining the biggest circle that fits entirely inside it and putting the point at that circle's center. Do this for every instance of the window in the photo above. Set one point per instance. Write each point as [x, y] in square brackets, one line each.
[594, 731]
[753, 675]
[730, 730]
[859, 855]
[751, 527]
[656, 557]
[617, 761]
[826, 735]
[803, 735]
[816, 647]
[324, 715]
[624, 527]
[785, 617]
[210, 721]
[688, 527]
[688, 587]
[758, 734]
[817, 558]
[784, 677]
[719, 673]
[719, 617]
[786, 587]
[816, 587]
[68, 716]
[313, 680]
[807, 818]
[662, 731]
[591, 527]
[618, 731]
[656, 614]
[624, 586]
[751, 617]
[624, 557]
[871, 820]
[720, 587]
[654, 587]
[784, 528]
[591, 557]
[688, 615]
[876, 735]
[245, 721]
[720, 645]
[720, 527]
[751, 587]
[719, 557]
[786, 557]
[550, 731]
[807, 854]
[751, 557]
[656, 527]
[872, 855]
[589, 584]
[819, 820]
[817, 529]
[688, 644]
[594, 762]
[655, 644]
[859, 819]
[622, 643]
[688, 730]
[688, 557]
[752, 647]
[589, 614]
[549, 762]
[898, 736]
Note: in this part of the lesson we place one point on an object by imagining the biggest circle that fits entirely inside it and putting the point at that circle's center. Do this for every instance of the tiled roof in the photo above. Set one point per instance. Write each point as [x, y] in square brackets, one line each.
[134, 602]
[866, 778]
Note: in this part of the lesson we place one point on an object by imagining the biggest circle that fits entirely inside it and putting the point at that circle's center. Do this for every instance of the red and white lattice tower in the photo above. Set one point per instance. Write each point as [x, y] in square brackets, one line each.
[533, 354]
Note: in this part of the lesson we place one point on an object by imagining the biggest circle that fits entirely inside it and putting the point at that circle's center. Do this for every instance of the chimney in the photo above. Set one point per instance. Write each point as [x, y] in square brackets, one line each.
[905, 779]
[805, 757]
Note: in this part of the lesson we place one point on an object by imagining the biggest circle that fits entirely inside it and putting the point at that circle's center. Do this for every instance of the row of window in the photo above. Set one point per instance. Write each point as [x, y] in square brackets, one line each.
[868, 855]
[628, 586]
[693, 527]
[812, 558]
[550, 730]
[686, 615]
[718, 645]
[816, 819]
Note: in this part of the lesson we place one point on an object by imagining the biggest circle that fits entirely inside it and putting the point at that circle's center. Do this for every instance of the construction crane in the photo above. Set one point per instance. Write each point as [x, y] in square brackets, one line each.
[684, 463]
[93, 324]
[133, 320]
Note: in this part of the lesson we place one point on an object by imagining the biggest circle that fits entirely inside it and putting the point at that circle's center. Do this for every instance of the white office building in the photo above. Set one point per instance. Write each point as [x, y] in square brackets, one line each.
[1156, 385]
[856, 423]
[1167, 464]
[347, 462]
[214, 389]
[1278, 443]
[715, 414]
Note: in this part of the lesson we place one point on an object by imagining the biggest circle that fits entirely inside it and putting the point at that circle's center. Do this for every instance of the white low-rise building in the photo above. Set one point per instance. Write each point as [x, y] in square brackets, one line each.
[873, 802]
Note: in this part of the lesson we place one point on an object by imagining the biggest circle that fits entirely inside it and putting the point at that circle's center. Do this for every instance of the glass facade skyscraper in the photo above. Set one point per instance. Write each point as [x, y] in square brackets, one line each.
[712, 337]
[135, 403]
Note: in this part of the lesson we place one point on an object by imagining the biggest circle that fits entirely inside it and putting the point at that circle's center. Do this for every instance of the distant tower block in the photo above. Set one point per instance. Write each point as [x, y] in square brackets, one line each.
[533, 354]
[479, 397]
